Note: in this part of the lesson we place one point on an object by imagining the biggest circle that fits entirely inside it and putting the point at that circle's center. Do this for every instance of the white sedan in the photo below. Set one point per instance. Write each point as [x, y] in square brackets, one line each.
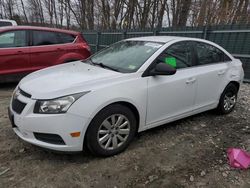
[129, 87]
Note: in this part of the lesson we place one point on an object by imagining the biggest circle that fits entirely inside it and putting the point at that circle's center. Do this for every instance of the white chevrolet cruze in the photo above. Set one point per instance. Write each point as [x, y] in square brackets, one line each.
[129, 87]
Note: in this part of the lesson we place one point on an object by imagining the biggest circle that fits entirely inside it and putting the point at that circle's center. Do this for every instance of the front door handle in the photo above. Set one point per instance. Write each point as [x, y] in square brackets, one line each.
[19, 51]
[190, 80]
[221, 72]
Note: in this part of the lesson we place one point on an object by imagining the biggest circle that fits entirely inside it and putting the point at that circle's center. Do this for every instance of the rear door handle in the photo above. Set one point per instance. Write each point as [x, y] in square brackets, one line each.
[19, 51]
[221, 72]
[190, 80]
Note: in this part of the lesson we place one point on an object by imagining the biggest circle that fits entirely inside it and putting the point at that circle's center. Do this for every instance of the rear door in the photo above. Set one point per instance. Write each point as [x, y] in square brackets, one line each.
[45, 49]
[14, 52]
[211, 70]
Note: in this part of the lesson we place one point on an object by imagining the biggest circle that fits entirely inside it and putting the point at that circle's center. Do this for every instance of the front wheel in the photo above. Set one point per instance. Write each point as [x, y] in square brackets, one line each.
[228, 99]
[111, 130]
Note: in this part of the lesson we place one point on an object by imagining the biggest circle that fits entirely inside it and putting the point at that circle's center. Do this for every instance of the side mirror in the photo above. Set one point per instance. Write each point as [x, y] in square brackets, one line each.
[162, 69]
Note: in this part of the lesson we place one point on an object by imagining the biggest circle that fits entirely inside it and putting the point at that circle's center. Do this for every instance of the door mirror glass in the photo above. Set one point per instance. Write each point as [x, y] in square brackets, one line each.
[163, 69]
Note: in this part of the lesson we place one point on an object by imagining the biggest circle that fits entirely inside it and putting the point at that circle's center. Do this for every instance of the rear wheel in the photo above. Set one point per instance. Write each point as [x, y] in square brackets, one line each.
[228, 99]
[111, 130]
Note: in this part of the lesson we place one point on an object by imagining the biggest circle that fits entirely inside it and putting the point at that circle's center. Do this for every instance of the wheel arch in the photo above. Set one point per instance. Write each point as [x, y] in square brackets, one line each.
[234, 82]
[128, 104]
[219, 108]
[131, 106]
[237, 84]
[133, 109]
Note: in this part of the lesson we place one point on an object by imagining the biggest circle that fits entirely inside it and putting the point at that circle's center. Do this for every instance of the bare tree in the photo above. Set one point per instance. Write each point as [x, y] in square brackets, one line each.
[126, 14]
[24, 12]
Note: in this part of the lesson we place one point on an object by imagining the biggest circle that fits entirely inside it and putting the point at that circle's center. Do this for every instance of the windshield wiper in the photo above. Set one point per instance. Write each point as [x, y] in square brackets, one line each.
[105, 66]
[88, 61]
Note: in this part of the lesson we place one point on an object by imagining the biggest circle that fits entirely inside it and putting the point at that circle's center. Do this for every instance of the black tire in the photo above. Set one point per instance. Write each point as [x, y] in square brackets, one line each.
[230, 91]
[93, 131]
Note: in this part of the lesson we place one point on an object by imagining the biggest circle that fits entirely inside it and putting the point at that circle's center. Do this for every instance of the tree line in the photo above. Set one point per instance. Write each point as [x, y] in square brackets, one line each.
[125, 14]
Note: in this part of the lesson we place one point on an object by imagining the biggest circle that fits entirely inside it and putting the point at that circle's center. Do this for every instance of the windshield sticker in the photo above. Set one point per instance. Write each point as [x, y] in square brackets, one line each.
[171, 61]
[132, 67]
[153, 45]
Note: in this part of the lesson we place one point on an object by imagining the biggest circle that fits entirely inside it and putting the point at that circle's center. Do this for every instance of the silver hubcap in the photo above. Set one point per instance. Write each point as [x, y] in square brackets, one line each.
[229, 101]
[113, 132]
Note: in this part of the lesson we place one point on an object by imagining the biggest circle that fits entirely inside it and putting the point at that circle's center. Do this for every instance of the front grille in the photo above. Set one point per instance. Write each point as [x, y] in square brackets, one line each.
[18, 106]
[49, 138]
[24, 93]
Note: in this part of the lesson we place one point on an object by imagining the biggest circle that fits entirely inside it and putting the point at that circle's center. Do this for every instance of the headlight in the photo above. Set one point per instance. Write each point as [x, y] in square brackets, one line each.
[16, 93]
[58, 105]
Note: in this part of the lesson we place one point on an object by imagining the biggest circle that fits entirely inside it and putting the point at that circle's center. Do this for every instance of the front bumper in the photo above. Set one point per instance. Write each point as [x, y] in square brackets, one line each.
[27, 123]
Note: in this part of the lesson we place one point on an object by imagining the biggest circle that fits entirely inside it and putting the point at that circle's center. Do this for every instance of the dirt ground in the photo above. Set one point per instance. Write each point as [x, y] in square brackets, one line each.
[187, 153]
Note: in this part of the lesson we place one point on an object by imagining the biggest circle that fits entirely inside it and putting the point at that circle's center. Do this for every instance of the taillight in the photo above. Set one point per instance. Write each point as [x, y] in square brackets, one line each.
[85, 46]
[82, 38]
[88, 47]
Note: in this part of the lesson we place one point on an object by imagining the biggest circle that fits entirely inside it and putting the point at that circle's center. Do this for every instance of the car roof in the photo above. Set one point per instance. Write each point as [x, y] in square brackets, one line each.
[11, 28]
[166, 39]
[163, 39]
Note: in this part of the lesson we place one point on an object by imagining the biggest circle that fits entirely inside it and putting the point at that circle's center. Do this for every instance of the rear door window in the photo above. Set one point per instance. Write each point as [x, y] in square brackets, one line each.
[208, 54]
[41, 38]
[12, 39]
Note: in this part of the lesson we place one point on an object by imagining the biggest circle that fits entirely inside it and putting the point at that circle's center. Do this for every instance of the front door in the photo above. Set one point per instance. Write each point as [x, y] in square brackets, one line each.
[174, 95]
[14, 52]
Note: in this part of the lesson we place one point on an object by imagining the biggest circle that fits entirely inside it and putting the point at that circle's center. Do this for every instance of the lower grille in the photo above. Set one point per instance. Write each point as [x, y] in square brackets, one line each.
[49, 138]
[18, 106]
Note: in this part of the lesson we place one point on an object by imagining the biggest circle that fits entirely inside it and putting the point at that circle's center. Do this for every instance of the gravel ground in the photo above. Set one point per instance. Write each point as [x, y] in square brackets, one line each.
[186, 153]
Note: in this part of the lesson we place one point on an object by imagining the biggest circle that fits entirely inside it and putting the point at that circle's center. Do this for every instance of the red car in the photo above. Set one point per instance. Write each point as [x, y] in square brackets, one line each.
[24, 49]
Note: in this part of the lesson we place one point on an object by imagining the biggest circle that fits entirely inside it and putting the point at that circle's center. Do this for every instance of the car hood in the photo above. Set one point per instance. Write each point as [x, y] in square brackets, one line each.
[66, 79]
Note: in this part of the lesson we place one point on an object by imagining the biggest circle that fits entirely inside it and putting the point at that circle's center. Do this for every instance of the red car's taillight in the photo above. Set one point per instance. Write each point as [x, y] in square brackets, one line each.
[83, 42]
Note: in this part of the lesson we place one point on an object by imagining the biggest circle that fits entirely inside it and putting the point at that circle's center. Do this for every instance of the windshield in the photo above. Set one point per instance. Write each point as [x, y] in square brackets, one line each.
[126, 56]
